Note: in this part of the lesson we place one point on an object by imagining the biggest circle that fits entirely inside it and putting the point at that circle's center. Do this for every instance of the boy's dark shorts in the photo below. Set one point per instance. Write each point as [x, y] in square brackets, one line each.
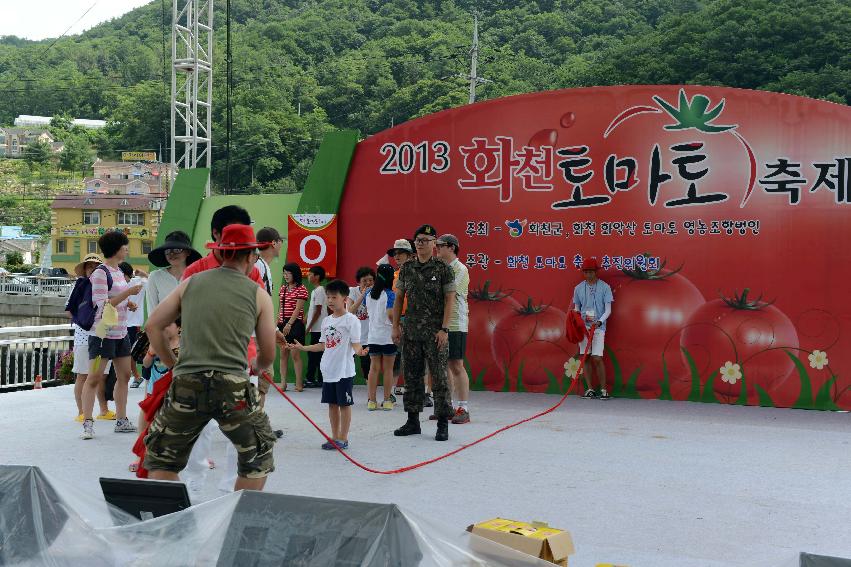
[108, 349]
[457, 345]
[338, 393]
[383, 350]
[191, 402]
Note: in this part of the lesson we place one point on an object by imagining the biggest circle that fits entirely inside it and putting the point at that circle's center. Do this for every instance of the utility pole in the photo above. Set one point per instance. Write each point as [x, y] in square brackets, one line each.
[228, 89]
[474, 55]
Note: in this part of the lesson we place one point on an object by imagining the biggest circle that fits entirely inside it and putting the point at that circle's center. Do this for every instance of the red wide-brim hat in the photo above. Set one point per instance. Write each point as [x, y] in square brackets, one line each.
[237, 237]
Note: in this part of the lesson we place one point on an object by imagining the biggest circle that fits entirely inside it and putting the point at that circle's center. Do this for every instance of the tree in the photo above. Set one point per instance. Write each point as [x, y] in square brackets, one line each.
[38, 152]
[140, 120]
[14, 261]
[77, 155]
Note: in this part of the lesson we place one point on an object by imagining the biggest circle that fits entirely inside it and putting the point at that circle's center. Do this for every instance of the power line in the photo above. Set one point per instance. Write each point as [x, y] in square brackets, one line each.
[67, 30]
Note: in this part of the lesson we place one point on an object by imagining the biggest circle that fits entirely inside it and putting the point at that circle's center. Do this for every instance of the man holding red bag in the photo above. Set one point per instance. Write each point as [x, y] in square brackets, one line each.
[593, 300]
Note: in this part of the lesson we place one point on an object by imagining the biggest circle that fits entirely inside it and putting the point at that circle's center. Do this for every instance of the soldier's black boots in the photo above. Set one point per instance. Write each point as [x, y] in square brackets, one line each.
[442, 429]
[411, 427]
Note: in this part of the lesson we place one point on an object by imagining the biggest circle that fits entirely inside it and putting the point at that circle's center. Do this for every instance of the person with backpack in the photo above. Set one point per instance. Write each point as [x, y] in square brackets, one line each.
[108, 340]
[79, 305]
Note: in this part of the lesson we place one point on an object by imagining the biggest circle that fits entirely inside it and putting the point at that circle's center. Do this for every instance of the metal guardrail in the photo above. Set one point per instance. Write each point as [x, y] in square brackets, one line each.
[23, 284]
[32, 351]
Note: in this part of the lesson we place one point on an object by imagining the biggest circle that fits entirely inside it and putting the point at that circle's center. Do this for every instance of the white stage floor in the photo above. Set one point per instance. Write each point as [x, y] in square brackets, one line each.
[638, 483]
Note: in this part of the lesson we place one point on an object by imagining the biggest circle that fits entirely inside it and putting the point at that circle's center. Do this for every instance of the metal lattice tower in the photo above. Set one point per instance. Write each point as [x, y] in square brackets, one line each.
[191, 84]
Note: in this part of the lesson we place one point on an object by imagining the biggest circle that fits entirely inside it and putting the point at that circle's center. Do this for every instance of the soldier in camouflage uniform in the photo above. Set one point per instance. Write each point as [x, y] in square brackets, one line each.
[429, 286]
[219, 310]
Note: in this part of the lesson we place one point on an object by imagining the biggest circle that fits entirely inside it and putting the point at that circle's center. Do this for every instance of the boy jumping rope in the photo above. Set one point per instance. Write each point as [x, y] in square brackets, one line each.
[339, 342]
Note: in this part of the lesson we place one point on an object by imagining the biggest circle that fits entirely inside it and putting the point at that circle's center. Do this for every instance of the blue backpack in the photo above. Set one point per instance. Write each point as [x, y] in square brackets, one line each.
[80, 304]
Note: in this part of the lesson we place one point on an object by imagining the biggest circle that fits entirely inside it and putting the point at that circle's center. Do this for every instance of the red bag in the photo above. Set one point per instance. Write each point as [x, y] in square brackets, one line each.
[575, 329]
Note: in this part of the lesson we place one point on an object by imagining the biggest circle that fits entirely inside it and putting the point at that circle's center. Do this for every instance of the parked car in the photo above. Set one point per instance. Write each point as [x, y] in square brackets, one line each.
[49, 272]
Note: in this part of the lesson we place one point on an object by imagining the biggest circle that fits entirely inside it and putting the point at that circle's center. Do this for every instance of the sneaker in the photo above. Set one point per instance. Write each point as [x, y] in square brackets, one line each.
[393, 398]
[461, 416]
[429, 401]
[589, 394]
[125, 426]
[328, 446]
[279, 433]
[387, 405]
[80, 418]
[342, 444]
[136, 383]
[604, 394]
[399, 390]
[88, 429]
[371, 405]
[109, 415]
[432, 417]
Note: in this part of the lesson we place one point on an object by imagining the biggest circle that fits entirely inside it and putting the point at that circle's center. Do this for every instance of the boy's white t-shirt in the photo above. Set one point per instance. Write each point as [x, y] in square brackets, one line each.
[317, 298]
[380, 327]
[338, 334]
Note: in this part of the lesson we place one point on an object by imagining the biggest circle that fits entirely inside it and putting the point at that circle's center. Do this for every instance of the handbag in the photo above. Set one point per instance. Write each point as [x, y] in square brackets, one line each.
[140, 347]
[575, 329]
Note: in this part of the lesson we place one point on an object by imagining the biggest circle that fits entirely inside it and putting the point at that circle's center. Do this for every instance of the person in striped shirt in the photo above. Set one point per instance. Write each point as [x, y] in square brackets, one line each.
[292, 295]
[109, 287]
[447, 250]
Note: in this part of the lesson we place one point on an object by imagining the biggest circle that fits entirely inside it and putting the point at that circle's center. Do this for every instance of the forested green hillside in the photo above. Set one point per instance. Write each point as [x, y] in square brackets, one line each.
[367, 64]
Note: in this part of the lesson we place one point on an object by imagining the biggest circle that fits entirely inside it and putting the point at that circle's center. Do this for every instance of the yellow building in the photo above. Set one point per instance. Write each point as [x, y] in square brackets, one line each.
[77, 221]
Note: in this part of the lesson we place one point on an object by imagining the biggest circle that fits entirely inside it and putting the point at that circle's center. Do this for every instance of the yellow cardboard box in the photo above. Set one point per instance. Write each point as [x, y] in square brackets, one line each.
[536, 539]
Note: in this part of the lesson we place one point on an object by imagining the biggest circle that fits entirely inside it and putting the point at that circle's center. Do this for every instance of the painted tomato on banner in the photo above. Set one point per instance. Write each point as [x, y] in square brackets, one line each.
[488, 307]
[531, 346]
[653, 307]
[685, 195]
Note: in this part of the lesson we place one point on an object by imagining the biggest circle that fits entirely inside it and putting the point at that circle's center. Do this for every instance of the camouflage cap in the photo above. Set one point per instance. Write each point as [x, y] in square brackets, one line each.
[426, 229]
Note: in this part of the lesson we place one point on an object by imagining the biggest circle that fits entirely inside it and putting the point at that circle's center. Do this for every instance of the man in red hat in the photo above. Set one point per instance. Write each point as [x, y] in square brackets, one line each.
[593, 299]
[211, 377]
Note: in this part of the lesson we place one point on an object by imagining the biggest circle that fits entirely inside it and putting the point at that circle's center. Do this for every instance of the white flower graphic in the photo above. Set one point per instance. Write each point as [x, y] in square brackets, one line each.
[818, 359]
[730, 373]
[570, 367]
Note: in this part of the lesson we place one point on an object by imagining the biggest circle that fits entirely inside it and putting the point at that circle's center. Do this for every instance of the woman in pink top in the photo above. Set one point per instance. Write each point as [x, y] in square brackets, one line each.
[109, 285]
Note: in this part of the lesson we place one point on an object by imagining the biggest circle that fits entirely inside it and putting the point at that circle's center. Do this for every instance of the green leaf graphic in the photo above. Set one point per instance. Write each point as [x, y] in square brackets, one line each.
[631, 391]
[618, 384]
[553, 387]
[479, 382]
[805, 397]
[708, 396]
[764, 399]
[693, 114]
[743, 393]
[694, 393]
[824, 400]
[665, 384]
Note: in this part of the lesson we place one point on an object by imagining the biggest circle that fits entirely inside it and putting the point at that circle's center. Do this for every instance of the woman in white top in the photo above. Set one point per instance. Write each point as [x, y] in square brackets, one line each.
[175, 254]
[365, 276]
[379, 301]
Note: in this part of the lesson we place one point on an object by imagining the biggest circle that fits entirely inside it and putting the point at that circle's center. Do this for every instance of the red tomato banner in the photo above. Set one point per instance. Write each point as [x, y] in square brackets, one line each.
[718, 216]
[312, 241]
